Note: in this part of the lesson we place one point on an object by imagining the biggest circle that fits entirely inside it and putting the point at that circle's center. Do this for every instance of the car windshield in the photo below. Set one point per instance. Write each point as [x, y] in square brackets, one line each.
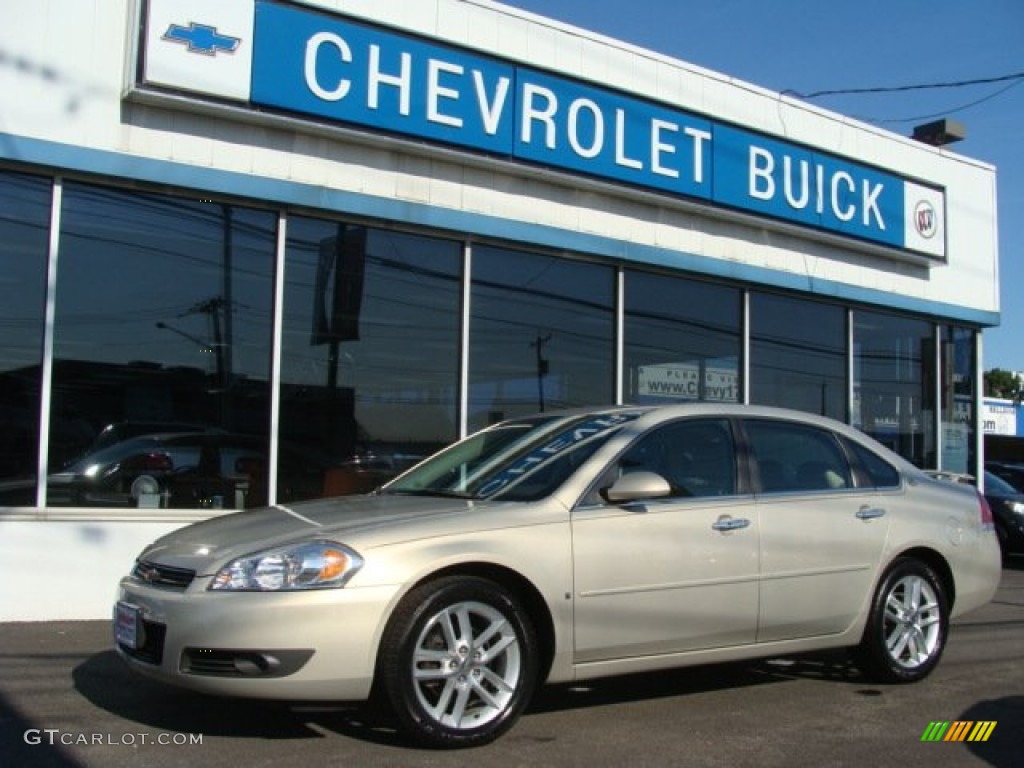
[115, 452]
[521, 460]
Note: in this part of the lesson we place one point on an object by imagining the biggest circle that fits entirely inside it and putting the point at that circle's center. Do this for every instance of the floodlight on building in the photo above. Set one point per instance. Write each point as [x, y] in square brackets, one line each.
[940, 133]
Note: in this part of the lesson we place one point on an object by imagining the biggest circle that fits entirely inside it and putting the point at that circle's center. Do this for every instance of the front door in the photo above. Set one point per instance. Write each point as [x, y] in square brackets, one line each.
[674, 574]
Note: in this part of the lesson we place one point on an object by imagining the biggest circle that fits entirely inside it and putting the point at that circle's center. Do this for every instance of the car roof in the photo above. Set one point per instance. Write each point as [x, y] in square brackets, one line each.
[651, 414]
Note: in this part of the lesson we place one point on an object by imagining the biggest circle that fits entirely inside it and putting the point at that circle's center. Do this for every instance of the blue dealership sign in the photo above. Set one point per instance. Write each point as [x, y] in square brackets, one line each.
[340, 71]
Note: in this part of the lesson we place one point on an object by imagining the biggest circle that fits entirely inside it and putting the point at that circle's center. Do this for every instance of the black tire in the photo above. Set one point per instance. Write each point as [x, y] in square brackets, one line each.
[908, 624]
[458, 662]
[1004, 543]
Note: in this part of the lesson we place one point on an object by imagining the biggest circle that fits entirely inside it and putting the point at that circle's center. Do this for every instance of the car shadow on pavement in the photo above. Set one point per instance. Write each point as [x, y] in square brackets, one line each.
[28, 742]
[686, 681]
[1004, 747]
[107, 683]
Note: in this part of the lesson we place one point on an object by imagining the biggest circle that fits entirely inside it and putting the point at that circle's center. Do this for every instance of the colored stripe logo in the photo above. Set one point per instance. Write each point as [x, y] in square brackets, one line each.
[959, 730]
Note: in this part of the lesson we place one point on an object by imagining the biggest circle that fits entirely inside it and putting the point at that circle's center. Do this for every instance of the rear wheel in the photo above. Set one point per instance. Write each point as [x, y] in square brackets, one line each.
[458, 662]
[907, 629]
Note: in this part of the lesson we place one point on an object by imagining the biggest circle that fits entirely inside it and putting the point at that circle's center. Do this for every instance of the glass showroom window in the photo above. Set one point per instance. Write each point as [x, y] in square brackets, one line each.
[958, 419]
[24, 235]
[798, 354]
[161, 352]
[370, 355]
[682, 340]
[894, 361]
[541, 334]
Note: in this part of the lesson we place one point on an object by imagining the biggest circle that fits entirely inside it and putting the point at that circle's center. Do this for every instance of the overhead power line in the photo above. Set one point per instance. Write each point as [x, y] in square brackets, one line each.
[899, 88]
[954, 110]
[1014, 79]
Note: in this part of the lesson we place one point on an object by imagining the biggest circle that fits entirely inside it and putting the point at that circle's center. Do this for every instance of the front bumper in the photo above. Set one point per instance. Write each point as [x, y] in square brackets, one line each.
[313, 645]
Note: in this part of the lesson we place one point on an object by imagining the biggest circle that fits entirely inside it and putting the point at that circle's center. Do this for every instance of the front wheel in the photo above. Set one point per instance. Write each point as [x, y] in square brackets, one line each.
[906, 631]
[458, 662]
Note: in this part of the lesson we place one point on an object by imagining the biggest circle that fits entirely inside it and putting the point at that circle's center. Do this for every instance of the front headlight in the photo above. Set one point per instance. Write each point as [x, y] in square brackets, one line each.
[310, 565]
[1017, 508]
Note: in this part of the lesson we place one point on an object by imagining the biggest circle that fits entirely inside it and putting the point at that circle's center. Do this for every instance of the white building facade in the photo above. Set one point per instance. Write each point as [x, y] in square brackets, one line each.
[258, 251]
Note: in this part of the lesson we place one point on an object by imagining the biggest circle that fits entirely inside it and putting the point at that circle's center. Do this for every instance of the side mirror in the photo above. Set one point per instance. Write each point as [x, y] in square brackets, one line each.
[636, 486]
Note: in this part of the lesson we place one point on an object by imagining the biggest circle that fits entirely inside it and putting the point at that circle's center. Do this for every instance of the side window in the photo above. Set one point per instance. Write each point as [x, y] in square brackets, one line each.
[696, 456]
[797, 457]
[880, 473]
[184, 457]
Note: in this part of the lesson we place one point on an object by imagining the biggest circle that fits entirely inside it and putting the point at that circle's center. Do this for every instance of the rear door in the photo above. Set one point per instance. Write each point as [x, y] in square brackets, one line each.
[822, 532]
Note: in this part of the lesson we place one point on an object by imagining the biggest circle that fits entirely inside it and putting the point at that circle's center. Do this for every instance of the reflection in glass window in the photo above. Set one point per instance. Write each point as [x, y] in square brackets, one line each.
[682, 340]
[798, 354]
[163, 326]
[24, 234]
[541, 334]
[958, 452]
[369, 366]
[894, 358]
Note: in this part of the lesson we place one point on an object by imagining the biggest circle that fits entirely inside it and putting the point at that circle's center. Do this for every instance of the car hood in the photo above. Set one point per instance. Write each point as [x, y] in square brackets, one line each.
[361, 522]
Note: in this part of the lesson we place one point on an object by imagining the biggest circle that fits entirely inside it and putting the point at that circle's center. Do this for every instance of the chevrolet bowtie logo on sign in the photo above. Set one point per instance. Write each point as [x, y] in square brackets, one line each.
[959, 730]
[200, 46]
[199, 38]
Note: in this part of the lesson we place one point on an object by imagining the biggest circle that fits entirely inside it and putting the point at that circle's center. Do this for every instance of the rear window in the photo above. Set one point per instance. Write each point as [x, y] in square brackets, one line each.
[881, 473]
[797, 457]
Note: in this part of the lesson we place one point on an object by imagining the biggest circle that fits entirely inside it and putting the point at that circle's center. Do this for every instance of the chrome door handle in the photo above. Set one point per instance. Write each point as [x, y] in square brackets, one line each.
[870, 513]
[730, 523]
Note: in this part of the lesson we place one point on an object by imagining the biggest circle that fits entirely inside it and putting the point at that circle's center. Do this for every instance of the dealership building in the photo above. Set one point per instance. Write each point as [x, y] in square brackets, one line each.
[258, 251]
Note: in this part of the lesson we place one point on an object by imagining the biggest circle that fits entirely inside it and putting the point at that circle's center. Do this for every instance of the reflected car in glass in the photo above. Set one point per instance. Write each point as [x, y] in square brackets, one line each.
[209, 469]
[567, 546]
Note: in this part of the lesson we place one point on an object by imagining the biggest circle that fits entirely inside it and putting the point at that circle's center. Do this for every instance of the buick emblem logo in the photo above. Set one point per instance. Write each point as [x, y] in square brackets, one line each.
[926, 221]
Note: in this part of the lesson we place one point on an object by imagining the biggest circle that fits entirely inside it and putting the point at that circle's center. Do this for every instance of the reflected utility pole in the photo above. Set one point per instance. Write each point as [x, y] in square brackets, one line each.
[542, 366]
[212, 308]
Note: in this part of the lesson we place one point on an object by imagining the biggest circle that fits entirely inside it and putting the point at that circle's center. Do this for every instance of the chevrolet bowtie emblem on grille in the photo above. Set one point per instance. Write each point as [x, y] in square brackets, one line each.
[201, 38]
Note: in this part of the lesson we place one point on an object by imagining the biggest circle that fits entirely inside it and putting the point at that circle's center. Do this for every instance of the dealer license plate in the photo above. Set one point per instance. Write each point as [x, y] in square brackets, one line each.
[128, 625]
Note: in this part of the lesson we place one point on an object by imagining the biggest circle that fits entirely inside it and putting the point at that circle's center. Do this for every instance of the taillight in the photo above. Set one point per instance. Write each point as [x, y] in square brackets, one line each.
[149, 462]
[987, 522]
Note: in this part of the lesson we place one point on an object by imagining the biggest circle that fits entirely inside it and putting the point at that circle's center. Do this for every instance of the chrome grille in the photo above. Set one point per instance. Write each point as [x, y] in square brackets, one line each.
[163, 575]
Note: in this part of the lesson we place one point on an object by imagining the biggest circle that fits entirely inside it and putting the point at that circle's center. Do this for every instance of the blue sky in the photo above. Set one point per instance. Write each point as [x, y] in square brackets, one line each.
[810, 45]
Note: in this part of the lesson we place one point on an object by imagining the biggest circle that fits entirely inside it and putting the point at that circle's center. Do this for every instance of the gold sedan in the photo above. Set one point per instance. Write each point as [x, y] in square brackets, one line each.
[562, 547]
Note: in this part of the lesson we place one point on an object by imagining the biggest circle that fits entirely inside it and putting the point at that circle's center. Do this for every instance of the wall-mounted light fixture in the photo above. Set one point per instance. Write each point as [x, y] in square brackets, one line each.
[940, 133]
